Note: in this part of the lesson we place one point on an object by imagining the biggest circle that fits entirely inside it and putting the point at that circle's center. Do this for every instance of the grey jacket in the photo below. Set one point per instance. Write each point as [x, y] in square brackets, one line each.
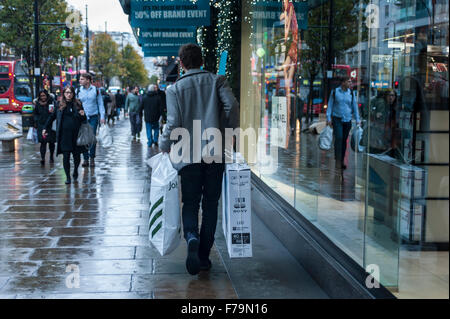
[132, 104]
[198, 95]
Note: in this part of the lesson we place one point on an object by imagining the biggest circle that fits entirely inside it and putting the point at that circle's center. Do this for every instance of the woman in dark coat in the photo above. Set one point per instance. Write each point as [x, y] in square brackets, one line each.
[69, 116]
[42, 111]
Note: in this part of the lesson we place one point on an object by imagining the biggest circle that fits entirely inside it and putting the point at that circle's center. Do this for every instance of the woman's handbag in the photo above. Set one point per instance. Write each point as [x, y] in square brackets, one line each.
[86, 135]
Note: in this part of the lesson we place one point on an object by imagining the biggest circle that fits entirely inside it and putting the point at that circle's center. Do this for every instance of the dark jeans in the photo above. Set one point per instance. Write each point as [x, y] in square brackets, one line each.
[136, 123]
[93, 122]
[66, 162]
[341, 131]
[197, 181]
[51, 146]
[152, 128]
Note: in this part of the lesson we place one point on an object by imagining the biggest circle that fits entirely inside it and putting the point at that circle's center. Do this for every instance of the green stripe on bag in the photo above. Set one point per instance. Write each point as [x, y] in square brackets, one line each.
[157, 215]
[156, 229]
[156, 206]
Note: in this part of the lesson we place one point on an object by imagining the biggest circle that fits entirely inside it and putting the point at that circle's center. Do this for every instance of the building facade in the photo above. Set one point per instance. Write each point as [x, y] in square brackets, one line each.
[388, 210]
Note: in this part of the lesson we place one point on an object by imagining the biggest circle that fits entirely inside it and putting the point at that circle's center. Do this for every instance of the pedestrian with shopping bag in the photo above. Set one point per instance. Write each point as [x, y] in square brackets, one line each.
[133, 108]
[202, 97]
[342, 107]
[69, 116]
[92, 102]
[153, 111]
[42, 111]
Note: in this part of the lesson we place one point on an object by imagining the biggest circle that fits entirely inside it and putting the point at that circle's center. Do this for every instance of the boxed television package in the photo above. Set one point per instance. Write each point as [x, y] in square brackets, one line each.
[236, 209]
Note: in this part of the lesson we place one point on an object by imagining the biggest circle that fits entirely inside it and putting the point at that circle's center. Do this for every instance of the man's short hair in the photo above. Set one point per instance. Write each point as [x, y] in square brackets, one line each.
[191, 56]
[344, 78]
[86, 76]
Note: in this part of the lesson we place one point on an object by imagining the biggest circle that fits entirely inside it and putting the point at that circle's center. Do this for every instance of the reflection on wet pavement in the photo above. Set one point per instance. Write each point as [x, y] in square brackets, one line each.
[97, 228]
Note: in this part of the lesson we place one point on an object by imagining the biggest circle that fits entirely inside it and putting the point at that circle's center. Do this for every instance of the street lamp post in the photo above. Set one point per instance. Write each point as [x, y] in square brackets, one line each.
[36, 47]
[392, 62]
[87, 41]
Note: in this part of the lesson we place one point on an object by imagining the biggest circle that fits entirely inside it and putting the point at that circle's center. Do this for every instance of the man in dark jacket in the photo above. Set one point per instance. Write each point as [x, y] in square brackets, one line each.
[120, 102]
[153, 109]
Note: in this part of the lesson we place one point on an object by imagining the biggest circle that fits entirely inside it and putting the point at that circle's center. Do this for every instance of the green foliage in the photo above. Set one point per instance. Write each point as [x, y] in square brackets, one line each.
[133, 70]
[154, 79]
[105, 58]
[346, 23]
[17, 32]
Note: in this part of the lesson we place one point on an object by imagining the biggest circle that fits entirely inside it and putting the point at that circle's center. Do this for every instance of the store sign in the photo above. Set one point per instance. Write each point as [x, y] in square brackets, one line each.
[380, 58]
[379, 84]
[272, 13]
[184, 35]
[151, 54]
[172, 13]
[156, 45]
[161, 52]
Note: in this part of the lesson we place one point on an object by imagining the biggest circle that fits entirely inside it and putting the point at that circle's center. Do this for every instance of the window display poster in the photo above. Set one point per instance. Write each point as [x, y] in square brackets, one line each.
[278, 121]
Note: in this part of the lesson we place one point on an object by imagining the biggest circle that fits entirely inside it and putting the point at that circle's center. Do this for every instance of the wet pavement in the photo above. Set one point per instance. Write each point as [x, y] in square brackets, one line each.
[89, 239]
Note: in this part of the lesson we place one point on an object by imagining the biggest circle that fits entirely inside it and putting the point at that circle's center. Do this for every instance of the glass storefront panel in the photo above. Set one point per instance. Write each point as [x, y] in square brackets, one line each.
[388, 207]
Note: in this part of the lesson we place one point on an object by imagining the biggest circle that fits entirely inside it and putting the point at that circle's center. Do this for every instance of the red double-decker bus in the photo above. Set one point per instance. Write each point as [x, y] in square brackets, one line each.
[15, 92]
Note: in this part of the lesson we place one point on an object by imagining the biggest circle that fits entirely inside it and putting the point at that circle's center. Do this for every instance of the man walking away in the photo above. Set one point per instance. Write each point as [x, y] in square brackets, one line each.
[153, 110]
[120, 101]
[133, 107]
[111, 107]
[94, 108]
[341, 107]
[199, 95]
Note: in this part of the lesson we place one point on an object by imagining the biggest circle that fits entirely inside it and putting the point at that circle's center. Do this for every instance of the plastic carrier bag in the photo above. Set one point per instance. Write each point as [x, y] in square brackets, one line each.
[356, 140]
[326, 139]
[33, 135]
[164, 216]
[105, 137]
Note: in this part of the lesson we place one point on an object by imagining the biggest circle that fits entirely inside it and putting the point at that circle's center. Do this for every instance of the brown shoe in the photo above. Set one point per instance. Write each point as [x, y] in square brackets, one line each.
[92, 163]
[85, 163]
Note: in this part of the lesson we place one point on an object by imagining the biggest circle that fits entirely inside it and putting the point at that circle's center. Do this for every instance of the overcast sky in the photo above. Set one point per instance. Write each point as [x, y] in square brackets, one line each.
[100, 11]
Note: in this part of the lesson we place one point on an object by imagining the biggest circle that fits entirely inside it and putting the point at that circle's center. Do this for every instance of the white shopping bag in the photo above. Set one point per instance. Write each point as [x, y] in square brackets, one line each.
[326, 139]
[356, 140]
[164, 216]
[237, 208]
[105, 137]
[30, 134]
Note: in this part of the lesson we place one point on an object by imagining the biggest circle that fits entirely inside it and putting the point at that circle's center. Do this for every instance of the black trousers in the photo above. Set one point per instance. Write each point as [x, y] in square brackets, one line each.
[66, 163]
[341, 131]
[201, 182]
[51, 147]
